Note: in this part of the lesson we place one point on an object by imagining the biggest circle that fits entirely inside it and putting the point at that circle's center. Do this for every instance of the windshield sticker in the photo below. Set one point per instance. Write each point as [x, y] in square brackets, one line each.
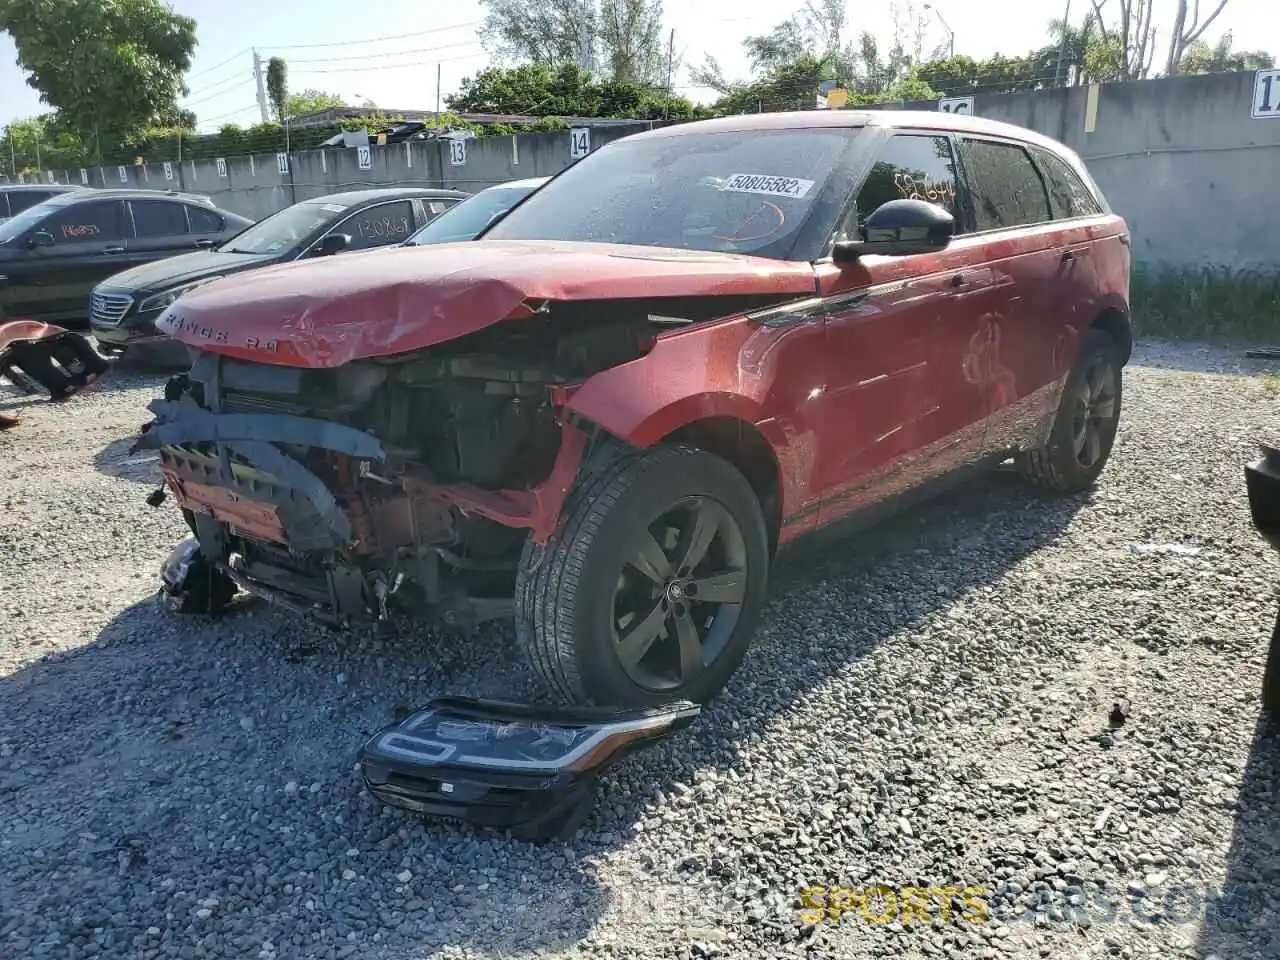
[768, 186]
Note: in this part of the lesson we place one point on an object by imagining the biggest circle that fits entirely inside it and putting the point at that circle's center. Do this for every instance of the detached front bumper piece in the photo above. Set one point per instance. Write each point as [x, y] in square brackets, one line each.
[528, 769]
[37, 356]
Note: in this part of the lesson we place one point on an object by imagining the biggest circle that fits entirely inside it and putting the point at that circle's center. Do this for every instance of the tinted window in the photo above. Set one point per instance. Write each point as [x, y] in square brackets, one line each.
[1005, 187]
[204, 221]
[1067, 192]
[437, 207]
[379, 225]
[85, 223]
[911, 168]
[156, 218]
[735, 192]
[469, 217]
[20, 200]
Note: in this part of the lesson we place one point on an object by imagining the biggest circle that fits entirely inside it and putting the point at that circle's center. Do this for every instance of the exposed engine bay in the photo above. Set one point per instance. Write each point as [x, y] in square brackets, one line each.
[397, 483]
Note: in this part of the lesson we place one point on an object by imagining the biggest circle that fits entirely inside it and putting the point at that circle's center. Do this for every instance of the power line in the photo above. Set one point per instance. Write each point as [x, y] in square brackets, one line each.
[389, 53]
[231, 113]
[395, 66]
[398, 36]
[219, 89]
[220, 65]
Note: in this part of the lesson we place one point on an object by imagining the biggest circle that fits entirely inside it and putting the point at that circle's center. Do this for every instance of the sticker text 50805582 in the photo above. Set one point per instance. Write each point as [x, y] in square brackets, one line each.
[769, 186]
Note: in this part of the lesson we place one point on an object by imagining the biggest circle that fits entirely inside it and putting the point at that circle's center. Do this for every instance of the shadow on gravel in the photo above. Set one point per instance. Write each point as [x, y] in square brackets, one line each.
[1237, 921]
[115, 460]
[230, 745]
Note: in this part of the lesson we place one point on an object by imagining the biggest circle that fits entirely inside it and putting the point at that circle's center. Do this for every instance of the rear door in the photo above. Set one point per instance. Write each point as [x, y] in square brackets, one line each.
[88, 246]
[160, 230]
[208, 227]
[1025, 248]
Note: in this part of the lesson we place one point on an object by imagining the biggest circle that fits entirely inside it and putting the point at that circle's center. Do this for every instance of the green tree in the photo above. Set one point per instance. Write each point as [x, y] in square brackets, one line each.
[311, 101]
[541, 90]
[278, 87]
[1200, 57]
[40, 143]
[106, 66]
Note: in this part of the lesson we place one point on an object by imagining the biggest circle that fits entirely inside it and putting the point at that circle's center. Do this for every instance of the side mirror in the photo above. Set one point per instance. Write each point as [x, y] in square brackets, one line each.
[900, 228]
[332, 243]
[41, 238]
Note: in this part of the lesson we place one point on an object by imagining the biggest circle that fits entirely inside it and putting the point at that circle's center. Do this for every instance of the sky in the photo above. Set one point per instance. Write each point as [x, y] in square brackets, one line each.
[387, 52]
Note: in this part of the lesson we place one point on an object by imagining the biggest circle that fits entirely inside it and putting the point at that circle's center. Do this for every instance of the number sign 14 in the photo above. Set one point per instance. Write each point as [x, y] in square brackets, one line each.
[1266, 94]
[579, 142]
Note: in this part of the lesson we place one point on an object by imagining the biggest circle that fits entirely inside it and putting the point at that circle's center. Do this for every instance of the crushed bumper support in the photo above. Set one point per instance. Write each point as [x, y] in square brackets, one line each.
[37, 356]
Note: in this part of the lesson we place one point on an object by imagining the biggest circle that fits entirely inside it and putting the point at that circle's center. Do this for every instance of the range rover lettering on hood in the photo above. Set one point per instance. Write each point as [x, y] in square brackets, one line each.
[315, 314]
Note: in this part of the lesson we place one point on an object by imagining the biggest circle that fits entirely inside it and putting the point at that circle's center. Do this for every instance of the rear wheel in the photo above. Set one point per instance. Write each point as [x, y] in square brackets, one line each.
[1084, 429]
[650, 590]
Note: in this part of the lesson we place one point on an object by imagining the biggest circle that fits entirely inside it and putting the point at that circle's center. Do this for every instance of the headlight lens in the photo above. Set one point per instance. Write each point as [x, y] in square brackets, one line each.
[161, 300]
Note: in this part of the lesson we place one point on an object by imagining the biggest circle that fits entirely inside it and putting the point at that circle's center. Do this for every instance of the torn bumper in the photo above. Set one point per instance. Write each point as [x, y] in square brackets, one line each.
[40, 356]
[505, 765]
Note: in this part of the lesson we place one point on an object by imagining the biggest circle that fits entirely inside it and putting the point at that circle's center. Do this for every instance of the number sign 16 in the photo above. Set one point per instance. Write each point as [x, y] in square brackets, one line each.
[457, 152]
[956, 105]
[1266, 94]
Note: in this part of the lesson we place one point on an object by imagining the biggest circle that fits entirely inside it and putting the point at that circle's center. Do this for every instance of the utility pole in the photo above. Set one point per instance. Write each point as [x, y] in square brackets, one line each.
[262, 86]
[1062, 46]
[13, 154]
[439, 74]
[671, 56]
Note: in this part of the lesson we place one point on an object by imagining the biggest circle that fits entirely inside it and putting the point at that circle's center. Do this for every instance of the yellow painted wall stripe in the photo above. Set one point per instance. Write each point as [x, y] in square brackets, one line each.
[1091, 109]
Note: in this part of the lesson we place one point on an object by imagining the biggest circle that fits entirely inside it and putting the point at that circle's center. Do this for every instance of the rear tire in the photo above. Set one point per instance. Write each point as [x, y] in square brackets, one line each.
[1084, 428]
[651, 587]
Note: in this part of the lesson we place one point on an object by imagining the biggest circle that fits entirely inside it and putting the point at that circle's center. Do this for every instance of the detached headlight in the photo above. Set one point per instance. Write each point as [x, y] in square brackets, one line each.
[161, 300]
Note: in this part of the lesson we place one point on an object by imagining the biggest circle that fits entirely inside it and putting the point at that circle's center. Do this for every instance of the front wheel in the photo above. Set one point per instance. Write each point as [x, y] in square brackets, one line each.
[650, 589]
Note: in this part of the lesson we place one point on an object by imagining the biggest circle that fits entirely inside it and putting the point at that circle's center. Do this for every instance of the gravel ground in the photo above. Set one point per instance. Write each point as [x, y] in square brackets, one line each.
[926, 707]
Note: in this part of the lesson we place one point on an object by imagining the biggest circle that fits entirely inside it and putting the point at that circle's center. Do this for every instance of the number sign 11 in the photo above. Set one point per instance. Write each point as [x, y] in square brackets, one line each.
[1266, 94]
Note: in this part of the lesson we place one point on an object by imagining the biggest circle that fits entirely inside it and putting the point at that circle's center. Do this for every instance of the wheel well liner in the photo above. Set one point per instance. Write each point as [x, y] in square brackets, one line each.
[745, 447]
[1116, 323]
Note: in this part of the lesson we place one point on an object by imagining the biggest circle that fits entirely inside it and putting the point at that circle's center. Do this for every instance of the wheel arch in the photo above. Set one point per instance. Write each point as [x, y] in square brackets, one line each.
[1114, 320]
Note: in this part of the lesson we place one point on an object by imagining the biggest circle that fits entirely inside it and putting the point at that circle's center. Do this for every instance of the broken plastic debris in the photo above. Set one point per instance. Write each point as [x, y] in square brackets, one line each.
[1180, 549]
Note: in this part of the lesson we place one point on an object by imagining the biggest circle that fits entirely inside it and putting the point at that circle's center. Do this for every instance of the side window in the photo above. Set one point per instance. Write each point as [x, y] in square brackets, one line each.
[437, 207]
[910, 167]
[1067, 192]
[379, 225]
[204, 221]
[158, 218]
[86, 223]
[1005, 186]
[22, 199]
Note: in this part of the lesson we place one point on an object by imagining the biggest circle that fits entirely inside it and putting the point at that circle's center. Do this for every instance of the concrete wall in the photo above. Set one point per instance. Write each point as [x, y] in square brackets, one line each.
[1181, 158]
[255, 186]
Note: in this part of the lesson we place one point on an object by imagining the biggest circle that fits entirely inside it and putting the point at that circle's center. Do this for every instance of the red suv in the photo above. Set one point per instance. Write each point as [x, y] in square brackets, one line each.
[606, 415]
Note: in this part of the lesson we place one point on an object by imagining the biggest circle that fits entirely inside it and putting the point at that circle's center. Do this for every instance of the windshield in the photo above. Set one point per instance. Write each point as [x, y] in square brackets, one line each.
[20, 223]
[733, 191]
[285, 229]
[466, 219]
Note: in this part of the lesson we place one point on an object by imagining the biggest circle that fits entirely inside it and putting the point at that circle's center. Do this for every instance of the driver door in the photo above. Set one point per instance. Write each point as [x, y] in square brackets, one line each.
[54, 281]
[902, 405]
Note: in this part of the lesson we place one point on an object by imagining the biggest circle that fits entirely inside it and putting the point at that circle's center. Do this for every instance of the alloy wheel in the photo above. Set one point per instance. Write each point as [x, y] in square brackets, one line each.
[1094, 411]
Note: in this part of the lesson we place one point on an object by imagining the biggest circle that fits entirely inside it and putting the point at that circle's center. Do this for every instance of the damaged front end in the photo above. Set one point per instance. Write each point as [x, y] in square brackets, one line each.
[403, 485]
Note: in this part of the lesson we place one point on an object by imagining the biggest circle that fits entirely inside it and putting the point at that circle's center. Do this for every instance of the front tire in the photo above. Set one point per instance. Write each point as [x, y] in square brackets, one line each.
[1084, 429]
[651, 588]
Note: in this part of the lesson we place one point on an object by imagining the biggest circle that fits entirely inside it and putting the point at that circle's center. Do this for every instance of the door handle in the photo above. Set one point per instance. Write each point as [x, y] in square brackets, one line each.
[204, 243]
[957, 280]
[109, 250]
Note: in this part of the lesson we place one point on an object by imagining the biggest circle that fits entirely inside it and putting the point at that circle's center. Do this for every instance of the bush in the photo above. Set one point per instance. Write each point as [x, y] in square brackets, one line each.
[1212, 303]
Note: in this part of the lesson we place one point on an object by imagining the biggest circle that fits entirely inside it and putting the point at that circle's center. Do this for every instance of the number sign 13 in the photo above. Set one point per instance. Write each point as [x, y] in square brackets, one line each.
[457, 152]
[1266, 94]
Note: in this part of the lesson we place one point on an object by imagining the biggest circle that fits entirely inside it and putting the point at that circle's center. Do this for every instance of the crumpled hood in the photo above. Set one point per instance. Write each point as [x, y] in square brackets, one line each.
[331, 311]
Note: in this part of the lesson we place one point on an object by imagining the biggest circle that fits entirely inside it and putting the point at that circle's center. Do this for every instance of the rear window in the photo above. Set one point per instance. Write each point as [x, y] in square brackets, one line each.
[1067, 192]
[732, 191]
[1005, 186]
[158, 218]
[204, 221]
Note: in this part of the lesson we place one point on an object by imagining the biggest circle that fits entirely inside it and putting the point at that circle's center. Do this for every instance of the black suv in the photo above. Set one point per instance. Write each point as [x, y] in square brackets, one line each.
[16, 197]
[125, 307]
[52, 254]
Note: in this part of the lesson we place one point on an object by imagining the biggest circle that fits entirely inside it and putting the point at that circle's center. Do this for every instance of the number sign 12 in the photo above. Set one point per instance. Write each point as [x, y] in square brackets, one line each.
[363, 158]
[579, 142]
[1266, 94]
[457, 152]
